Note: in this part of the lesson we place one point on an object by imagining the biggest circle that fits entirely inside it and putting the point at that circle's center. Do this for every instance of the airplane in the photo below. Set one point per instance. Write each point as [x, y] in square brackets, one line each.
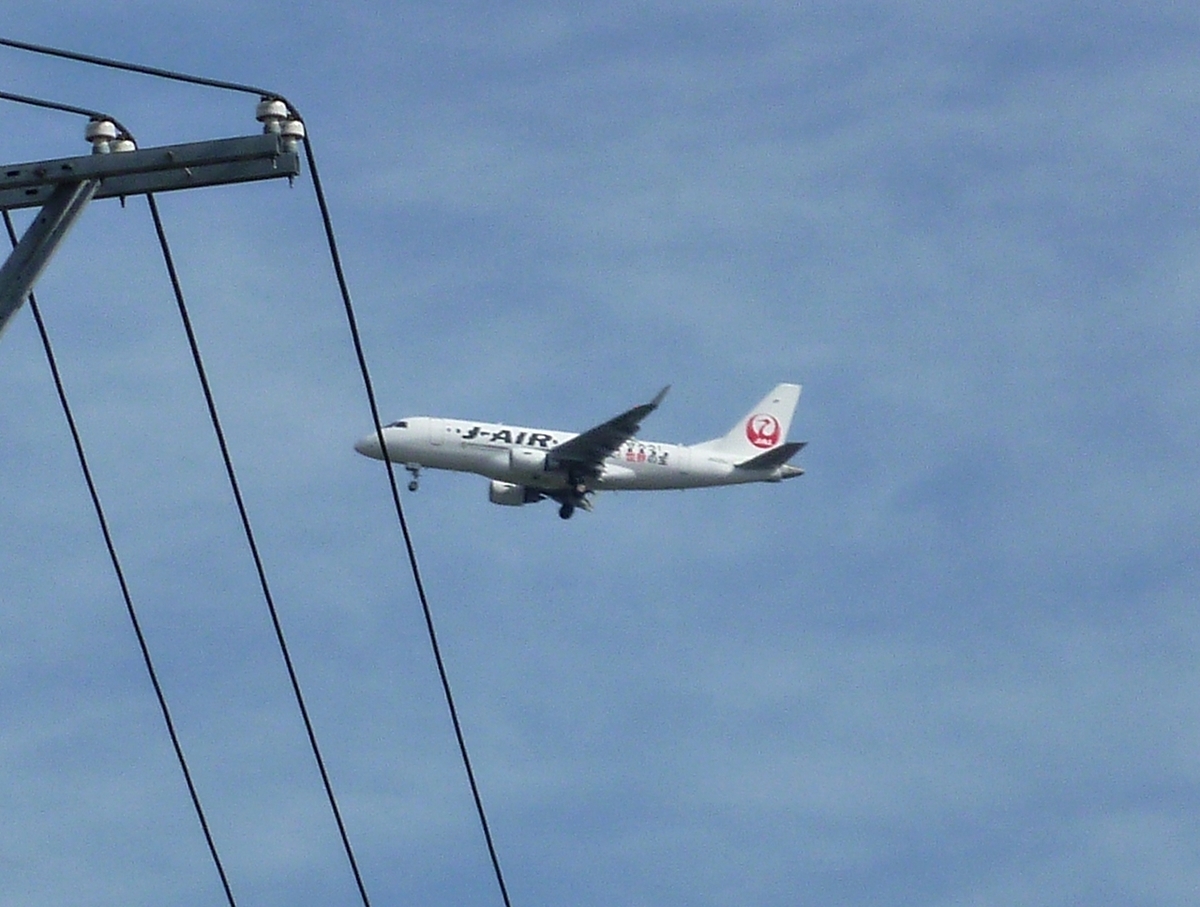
[527, 465]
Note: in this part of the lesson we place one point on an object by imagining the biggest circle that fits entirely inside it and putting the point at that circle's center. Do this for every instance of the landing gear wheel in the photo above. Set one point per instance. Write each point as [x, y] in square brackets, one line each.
[415, 470]
[566, 510]
[413, 486]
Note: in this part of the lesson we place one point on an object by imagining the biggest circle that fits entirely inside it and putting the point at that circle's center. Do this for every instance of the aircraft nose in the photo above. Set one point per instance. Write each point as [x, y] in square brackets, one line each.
[368, 446]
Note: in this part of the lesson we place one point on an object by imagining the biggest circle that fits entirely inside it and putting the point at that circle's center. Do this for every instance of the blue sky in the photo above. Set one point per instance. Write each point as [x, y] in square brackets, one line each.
[954, 664]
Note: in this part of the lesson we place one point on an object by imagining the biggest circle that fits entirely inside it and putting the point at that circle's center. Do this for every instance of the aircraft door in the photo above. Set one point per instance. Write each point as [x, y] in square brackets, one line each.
[437, 431]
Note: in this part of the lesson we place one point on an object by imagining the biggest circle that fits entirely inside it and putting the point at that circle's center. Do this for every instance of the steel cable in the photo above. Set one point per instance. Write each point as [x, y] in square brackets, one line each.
[210, 402]
[125, 593]
[371, 398]
[408, 542]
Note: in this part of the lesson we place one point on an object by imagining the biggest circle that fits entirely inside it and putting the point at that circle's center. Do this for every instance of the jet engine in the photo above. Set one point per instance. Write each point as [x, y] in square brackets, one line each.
[527, 461]
[512, 495]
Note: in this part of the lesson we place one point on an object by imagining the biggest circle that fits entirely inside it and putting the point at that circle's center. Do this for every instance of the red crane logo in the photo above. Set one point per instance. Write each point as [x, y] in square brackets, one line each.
[762, 430]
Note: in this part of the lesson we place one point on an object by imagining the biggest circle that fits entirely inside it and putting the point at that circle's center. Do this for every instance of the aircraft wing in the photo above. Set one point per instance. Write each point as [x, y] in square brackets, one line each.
[585, 452]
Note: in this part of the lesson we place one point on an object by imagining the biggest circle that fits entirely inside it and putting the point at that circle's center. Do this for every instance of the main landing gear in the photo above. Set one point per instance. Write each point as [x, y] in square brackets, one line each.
[415, 470]
[577, 497]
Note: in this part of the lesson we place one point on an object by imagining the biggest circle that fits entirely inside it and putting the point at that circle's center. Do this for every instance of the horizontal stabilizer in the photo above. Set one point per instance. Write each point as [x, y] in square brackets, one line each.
[777, 456]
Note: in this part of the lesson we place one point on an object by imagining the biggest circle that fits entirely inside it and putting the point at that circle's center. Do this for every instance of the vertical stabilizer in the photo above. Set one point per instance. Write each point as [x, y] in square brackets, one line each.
[762, 429]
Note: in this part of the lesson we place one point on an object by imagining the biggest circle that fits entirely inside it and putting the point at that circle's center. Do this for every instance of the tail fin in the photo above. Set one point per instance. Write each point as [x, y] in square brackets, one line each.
[762, 429]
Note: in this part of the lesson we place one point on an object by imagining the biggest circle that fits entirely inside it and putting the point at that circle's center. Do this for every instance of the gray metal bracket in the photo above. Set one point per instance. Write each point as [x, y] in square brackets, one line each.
[64, 187]
[31, 255]
[161, 169]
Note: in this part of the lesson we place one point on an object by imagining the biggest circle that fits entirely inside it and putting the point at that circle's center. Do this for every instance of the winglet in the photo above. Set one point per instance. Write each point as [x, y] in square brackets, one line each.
[658, 398]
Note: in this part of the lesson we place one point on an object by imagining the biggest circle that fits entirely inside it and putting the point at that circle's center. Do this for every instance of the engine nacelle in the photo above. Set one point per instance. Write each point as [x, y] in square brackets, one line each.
[527, 461]
[512, 495]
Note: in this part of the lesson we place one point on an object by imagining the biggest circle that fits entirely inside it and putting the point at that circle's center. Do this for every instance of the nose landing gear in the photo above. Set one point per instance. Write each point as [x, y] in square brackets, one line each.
[414, 470]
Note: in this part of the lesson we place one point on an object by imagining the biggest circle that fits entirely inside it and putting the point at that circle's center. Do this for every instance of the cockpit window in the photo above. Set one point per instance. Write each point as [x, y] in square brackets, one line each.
[400, 424]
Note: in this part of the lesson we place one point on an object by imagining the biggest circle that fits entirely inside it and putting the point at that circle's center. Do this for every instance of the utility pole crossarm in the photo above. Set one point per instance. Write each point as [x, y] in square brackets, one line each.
[64, 187]
[161, 169]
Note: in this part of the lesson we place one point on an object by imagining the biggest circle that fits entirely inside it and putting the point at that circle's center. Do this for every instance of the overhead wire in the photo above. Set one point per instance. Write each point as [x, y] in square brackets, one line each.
[243, 514]
[62, 108]
[368, 385]
[427, 611]
[126, 596]
[138, 68]
[240, 503]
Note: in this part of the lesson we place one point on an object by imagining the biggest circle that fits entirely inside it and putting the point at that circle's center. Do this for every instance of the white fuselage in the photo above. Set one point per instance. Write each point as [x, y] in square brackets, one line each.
[521, 456]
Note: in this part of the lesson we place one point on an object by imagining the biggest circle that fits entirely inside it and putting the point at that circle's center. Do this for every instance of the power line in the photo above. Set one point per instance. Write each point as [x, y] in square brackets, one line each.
[108, 63]
[241, 509]
[125, 594]
[253, 545]
[408, 542]
[371, 399]
[62, 108]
